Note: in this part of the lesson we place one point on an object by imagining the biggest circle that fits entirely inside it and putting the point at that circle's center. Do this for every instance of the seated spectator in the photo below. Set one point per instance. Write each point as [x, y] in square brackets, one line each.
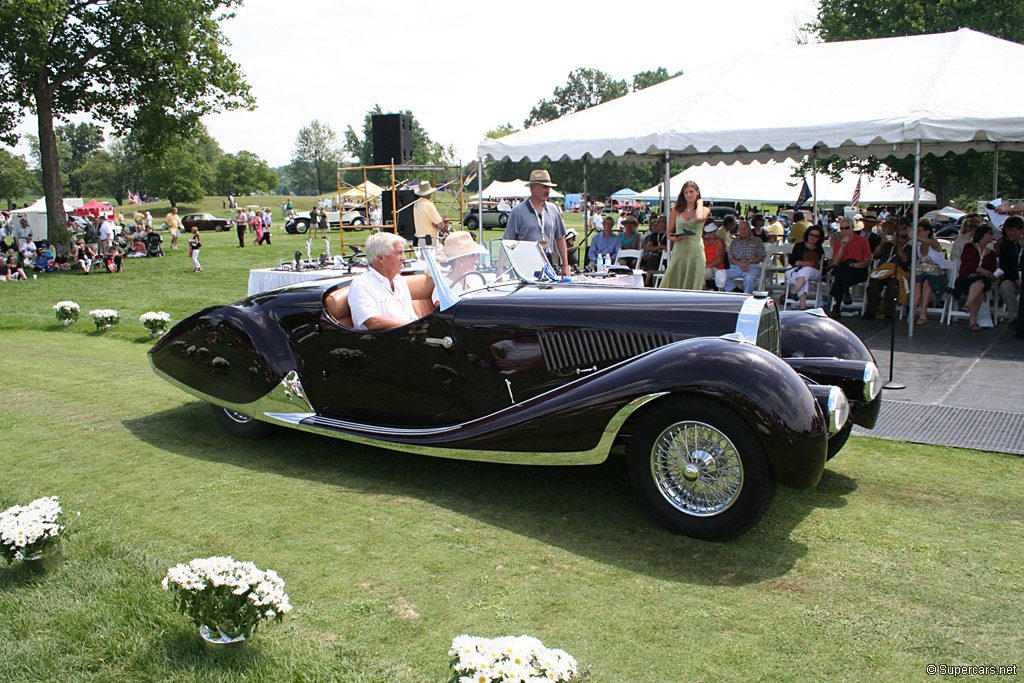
[715, 256]
[572, 250]
[757, 227]
[139, 238]
[931, 269]
[805, 264]
[629, 239]
[851, 258]
[61, 261]
[893, 253]
[1010, 261]
[604, 243]
[42, 262]
[977, 272]
[85, 256]
[653, 246]
[14, 271]
[112, 259]
[746, 253]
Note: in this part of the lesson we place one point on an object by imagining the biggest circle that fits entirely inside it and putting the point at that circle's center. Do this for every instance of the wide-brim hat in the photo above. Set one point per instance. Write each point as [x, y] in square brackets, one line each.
[710, 227]
[424, 189]
[459, 243]
[540, 176]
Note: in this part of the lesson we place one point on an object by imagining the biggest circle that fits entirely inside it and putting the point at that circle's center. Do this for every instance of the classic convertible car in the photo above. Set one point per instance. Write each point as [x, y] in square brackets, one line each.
[714, 397]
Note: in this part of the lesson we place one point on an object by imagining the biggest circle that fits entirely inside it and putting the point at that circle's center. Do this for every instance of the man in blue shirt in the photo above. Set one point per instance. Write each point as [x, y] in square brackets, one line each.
[538, 220]
[604, 243]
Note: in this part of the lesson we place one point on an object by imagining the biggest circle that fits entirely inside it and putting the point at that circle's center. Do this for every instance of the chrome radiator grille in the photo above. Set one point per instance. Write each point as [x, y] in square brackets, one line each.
[569, 350]
[768, 333]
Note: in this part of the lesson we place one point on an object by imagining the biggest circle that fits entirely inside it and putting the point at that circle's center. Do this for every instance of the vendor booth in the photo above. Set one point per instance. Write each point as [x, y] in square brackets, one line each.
[95, 208]
[35, 214]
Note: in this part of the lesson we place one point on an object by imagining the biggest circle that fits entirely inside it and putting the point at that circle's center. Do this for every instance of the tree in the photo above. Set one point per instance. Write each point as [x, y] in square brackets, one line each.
[83, 141]
[315, 156]
[114, 171]
[163, 58]
[243, 173]
[583, 89]
[967, 175]
[15, 178]
[646, 79]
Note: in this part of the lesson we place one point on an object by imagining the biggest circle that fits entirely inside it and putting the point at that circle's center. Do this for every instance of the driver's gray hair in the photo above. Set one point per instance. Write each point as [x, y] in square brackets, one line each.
[381, 244]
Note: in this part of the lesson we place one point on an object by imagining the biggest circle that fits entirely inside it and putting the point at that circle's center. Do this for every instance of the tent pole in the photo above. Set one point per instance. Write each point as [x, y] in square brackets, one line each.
[480, 203]
[995, 170]
[814, 180]
[586, 215]
[668, 191]
[913, 236]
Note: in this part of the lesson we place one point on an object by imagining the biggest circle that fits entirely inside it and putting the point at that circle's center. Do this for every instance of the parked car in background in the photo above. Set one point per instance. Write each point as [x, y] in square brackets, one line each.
[299, 223]
[206, 221]
[493, 217]
[713, 397]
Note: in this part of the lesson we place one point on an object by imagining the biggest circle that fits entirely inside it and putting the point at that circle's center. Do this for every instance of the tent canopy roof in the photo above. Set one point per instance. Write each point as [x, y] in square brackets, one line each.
[935, 93]
[512, 189]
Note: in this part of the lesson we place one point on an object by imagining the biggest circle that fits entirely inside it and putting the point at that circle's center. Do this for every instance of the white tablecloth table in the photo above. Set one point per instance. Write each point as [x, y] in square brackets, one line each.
[262, 279]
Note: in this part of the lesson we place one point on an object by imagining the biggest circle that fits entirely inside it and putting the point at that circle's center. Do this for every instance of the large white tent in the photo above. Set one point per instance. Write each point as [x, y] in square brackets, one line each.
[930, 94]
[773, 183]
[942, 91]
[35, 214]
[512, 189]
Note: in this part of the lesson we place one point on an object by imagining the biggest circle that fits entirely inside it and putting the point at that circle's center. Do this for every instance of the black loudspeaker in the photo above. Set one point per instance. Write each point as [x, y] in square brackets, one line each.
[406, 225]
[392, 139]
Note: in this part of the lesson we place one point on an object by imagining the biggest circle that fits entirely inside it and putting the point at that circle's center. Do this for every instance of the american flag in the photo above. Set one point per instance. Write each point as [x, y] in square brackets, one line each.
[856, 193]
[134, 198]
[805, 194]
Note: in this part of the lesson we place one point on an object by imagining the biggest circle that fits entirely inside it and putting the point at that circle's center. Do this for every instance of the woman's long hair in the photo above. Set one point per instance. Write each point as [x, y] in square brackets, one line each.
[681, 200]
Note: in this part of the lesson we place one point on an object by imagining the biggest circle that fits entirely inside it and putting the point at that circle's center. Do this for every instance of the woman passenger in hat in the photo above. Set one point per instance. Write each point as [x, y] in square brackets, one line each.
[460, 252]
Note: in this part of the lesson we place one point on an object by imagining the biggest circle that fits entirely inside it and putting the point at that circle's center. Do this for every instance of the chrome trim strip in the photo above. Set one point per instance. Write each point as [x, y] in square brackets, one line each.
[279, 407]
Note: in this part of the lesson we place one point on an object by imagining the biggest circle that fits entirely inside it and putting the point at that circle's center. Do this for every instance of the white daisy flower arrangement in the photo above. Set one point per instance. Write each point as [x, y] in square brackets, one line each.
[104, 318]
[508, 659]
[155, 321]
[223, 594]
[66, 311]
[28, 530]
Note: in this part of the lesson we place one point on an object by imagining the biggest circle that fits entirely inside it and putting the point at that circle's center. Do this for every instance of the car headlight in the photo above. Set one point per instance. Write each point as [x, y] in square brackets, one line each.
[838, 410]
[872, 381]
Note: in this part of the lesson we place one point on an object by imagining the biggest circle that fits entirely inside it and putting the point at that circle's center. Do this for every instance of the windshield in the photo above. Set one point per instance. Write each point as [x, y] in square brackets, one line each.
[527, 260]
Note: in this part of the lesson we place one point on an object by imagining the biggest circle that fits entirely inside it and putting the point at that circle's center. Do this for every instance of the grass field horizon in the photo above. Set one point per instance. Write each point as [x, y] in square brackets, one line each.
[903, 556]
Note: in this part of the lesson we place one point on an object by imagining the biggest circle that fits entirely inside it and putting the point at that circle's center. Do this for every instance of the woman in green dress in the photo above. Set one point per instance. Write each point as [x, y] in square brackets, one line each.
[686, 262]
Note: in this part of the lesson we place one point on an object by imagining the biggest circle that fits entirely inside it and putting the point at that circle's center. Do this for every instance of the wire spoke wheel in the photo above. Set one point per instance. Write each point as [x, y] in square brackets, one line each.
[697, 468]
[241, 425]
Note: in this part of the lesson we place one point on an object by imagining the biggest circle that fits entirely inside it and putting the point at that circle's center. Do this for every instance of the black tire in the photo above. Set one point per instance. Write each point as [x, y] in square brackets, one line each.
[301, 227]
[218, 228]
[471, 223]
[358, 222]
[838, 440]
[677, 481]
[503, 220]
[241, 426]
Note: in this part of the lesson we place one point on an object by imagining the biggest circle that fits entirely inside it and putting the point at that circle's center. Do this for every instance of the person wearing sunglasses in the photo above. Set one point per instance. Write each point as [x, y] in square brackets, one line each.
[852, 258]
[805, 264]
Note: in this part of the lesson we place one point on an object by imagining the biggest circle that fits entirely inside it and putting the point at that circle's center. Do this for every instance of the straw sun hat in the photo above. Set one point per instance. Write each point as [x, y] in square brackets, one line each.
[540, 177]
[424, 189]
[459, 243]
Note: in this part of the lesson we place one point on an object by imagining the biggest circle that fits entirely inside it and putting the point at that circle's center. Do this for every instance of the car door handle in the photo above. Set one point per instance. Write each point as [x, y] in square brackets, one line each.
[446, 342]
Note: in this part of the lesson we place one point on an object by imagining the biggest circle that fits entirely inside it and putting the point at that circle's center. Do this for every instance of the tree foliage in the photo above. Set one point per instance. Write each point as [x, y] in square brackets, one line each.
[184, 173]
[162, 58]
[315, 157]
[243, 173]
[583, 89]
[15, 178]
[84, 140]
[967, 176]
[113, 171]
[646, 79]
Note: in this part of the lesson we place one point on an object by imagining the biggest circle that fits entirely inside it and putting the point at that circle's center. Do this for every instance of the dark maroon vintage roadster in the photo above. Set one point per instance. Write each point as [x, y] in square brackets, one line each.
[715, 397]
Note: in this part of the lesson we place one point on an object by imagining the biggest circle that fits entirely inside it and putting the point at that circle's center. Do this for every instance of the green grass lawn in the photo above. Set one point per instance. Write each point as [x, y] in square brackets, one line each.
[904, 555]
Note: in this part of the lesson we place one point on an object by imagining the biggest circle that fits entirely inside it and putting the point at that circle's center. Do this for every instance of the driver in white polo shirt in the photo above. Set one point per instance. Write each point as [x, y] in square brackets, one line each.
[380, 298]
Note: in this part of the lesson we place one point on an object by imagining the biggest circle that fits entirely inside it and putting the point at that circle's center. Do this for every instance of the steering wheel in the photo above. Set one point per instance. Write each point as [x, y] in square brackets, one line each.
[462, 277]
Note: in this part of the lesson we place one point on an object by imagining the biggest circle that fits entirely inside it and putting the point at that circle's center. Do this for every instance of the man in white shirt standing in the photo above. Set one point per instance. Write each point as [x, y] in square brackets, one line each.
[380, 298]
[106, 234]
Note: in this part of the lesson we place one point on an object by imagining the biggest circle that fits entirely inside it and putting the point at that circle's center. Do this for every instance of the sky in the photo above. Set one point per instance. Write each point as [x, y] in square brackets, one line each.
[462, 67]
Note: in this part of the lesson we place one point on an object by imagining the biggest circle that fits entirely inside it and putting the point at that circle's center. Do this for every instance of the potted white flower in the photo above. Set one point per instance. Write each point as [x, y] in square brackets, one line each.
[226, 599]
[32, 533]
[155, 321]
[507, 659]
[66, 311]
[104, 318]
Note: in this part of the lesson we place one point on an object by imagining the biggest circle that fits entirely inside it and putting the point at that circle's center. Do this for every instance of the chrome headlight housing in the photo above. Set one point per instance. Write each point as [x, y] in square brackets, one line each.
[838, 411]
[872, 381]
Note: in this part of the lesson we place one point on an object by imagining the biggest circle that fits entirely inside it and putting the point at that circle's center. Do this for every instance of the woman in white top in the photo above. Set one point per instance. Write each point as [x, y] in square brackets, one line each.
[460, 251]
[929, 250]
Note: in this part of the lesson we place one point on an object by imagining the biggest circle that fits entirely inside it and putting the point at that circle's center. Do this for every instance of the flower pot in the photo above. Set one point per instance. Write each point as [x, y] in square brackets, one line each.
[50, 560]
[218, 643]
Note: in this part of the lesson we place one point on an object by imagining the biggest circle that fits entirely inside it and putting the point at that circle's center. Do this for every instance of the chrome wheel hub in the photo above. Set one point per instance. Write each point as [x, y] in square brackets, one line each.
[696, 468]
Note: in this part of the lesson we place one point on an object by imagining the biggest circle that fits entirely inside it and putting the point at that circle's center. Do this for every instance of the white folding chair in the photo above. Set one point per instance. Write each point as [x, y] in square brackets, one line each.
[634, 254]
